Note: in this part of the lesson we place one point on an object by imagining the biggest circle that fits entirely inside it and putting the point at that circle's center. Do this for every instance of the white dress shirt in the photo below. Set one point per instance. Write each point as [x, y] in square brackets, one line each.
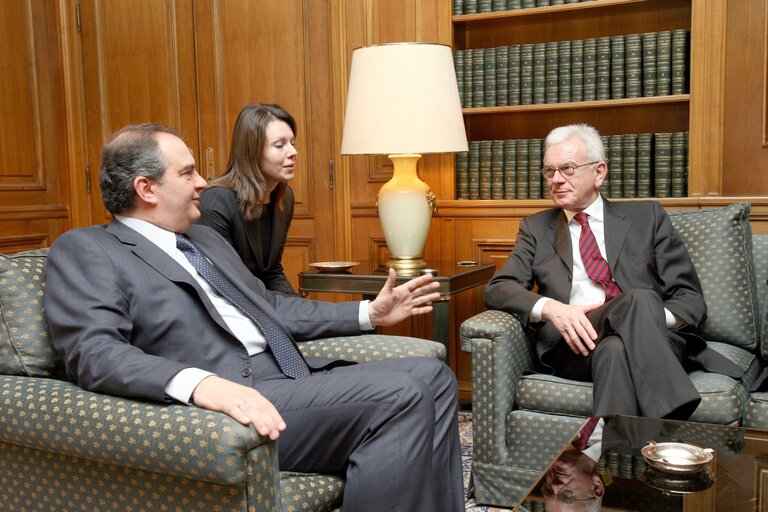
[181, 385]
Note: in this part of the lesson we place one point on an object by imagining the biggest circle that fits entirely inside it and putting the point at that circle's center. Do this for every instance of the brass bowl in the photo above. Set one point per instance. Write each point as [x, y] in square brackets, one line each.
[677, 457]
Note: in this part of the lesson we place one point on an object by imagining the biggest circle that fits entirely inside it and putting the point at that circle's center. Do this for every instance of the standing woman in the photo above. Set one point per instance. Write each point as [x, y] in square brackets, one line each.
[251, 204]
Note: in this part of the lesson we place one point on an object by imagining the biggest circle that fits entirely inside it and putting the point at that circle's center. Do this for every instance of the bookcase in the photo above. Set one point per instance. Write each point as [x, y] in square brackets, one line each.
[596, 20]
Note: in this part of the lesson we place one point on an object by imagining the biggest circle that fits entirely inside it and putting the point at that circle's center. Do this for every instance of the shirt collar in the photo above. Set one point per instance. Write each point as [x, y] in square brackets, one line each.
[594, 210]
[164, 239]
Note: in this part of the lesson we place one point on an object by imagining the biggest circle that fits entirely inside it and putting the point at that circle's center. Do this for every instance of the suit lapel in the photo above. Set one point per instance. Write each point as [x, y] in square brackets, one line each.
[562, 241]
[616, 229]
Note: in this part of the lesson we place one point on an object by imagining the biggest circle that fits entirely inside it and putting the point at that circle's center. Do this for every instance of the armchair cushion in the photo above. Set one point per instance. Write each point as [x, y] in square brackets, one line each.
[371, 347]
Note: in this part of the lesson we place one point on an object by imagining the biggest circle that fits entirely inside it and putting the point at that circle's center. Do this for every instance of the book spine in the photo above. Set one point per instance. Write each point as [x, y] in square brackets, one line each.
[616, 169]
[458, 7]
[633, 61]
[539, 73]
[663, 62]
[484, 6]
[526, 74]
[499, 5]
[522, 169]
[534, 169]
[458, 64]
[514, 74]
[485, 169]
[502, 76]
[542, 3]
[474, 169]
[462, 175]
[644, 151]
[577, 70]
[527, 4]
[497, 169]
[514, 4]
[679, 80]
[490, 77]
[605, 187]
[510, 162]
[662, 164]
[649, 64]
[590, 69]
[564, 72]
[478, 77]
[629, 164]
[470, 6]
[617, 67]
[469, 84]
[550, 72]
[678, 185]
[603, 68]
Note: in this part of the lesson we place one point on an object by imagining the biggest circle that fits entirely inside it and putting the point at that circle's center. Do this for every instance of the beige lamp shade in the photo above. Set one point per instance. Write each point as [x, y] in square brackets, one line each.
[403, 98]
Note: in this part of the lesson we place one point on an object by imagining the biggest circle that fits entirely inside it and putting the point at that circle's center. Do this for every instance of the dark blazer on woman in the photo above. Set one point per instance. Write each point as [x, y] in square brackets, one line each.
[221, 211]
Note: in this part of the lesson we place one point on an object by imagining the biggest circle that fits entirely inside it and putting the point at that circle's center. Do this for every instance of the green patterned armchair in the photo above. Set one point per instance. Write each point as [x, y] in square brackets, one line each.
[521, 419]
[63, 448]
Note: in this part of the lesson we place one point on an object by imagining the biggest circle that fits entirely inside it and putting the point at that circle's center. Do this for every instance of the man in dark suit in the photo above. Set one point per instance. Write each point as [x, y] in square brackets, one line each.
[154, 306]
[608, 289]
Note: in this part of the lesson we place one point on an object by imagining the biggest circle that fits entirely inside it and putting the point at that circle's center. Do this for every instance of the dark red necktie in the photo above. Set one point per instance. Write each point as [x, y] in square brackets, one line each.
[594, 263]
[585, 433]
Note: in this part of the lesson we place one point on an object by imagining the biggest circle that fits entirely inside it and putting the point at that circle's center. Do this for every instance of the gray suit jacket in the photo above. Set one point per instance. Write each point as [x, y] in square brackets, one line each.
[126, 317]
[221, 211]
[643, 251]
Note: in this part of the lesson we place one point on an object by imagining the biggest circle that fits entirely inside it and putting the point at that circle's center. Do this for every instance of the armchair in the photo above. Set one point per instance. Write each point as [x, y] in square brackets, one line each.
[65, 448]
[522, 418]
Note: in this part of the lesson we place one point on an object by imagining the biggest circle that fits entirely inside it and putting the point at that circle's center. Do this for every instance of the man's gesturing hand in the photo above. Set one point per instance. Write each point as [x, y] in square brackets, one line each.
[242, 403]
[394, 304]
[572, 323]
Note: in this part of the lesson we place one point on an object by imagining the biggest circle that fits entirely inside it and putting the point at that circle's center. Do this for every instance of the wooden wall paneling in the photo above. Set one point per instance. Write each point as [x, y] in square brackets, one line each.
[34, 159]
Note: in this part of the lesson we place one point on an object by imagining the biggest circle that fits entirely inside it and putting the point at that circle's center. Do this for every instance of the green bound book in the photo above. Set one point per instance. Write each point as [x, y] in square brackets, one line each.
[539, 73]
[499, 5]
[590, 69]
[542, 3]
[633, 63]
[497, 169]
[629, 164]
[534, 166]
[502, 76]
[527, 4]
[510, 176]
[662, 164]
[462, 175]
[526, 74]
[468, 81]
[490, 77]
[678, 185]
[522, 169]
[605, 188]
[470, 6]
[649, 64]
[458, 7]
[679, 81]
[458, 64]
[603, 67]
[474, 169]
[550, 72]
[478, 77]
[616, 168]
[618, 75]
[484, 6]
[514, 74]
[564, 72]
[663, 63]
[644, 165]
[485, 169]
[514, 4]
[577, 70]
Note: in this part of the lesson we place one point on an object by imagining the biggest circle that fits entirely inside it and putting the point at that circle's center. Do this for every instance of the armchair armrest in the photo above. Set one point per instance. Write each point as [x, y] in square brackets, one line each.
[185, 441]
[371, 347]
[501, 352]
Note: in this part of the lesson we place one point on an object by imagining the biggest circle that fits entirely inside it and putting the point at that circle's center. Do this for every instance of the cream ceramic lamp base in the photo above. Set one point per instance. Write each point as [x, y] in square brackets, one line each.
[405, 206]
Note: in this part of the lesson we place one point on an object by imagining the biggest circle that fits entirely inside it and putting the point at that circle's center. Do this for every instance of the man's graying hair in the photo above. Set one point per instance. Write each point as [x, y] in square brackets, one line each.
[585, 132]
[131, 152]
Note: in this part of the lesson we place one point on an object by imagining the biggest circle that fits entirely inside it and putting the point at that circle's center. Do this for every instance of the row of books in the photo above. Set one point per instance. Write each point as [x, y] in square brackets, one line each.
[603, 68]
[639, 165]
[476, 6]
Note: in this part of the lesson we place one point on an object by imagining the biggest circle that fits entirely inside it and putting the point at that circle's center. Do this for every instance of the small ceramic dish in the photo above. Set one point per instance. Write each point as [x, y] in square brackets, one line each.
[677, 457]
[333, 267]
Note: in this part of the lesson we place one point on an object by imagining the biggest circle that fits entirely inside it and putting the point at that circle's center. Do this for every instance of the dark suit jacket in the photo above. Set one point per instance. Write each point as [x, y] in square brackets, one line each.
[221, 211]
[126, 317]
[643, 251]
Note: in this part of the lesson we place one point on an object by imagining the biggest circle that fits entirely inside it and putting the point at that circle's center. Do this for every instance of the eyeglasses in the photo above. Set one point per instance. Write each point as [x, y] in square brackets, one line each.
[566, 170]
[566, 497]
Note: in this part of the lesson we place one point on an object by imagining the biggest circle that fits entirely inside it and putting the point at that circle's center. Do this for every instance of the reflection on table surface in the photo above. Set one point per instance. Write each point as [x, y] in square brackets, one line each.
[368, 268]
[609, 471]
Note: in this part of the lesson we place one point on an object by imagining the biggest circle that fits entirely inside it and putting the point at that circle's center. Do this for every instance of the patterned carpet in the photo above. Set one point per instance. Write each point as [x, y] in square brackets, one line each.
[465, 434]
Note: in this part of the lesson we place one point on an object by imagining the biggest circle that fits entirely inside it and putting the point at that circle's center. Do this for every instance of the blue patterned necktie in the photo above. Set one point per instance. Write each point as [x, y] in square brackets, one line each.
[287, 355]
[594, 263]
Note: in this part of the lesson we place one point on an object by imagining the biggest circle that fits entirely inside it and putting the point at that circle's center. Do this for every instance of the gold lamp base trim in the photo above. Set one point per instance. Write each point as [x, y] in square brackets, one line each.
[406, 266]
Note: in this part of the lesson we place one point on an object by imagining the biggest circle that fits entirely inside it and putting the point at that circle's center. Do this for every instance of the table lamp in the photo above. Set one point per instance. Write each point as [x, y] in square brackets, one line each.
[403, 101]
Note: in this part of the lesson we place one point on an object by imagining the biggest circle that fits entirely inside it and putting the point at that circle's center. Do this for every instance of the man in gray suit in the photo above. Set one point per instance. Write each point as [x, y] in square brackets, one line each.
[607, 289]
[132, 315]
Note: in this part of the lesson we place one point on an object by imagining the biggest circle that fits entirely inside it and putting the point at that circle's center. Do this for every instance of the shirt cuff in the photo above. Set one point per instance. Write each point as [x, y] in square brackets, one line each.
[672, 321]
[181, 385]
[535, 314]
[363, 318]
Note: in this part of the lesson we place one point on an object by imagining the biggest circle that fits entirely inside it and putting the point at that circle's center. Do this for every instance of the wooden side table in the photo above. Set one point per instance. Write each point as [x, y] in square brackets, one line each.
[362, 279]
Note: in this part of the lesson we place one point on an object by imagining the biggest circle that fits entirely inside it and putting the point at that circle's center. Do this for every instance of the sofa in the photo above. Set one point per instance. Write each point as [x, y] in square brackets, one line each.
[522, 418]
[64, 448]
